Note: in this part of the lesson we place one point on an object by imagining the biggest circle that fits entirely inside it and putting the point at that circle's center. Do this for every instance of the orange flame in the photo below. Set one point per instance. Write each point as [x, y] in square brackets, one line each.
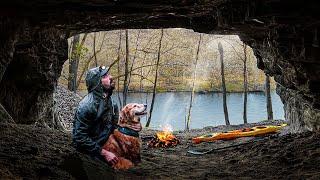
[164, 138]
[166, 134]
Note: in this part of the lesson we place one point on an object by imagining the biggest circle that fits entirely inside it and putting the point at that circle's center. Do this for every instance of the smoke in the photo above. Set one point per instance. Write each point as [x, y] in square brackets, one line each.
[165, 116]
[169, 117]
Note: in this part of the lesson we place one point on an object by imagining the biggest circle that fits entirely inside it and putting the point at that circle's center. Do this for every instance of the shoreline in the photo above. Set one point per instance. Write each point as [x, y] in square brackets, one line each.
[199, 92]
[185, 91]
[84, 92]
[222, 128]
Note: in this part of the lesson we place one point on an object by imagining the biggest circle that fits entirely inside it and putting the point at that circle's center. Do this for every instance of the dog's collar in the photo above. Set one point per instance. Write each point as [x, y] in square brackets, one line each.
[128, 131]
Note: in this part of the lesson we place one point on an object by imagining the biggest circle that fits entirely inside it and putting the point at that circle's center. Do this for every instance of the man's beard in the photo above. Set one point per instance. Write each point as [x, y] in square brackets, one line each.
[108, 90]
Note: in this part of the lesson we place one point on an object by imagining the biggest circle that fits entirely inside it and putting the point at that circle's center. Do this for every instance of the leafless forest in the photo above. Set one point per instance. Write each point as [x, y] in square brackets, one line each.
[133, 55]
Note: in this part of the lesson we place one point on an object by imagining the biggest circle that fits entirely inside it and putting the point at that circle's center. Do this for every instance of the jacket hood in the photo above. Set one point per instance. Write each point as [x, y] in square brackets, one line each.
[93, 79]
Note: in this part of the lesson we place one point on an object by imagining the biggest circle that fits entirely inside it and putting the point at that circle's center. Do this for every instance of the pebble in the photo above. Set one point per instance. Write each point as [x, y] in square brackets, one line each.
[66, 103]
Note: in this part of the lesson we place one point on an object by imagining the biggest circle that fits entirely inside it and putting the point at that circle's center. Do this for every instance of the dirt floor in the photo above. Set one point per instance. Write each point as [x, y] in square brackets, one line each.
[28, 152]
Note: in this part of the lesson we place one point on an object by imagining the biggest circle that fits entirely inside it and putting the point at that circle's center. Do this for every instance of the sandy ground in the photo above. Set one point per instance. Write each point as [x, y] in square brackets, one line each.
[28, 152]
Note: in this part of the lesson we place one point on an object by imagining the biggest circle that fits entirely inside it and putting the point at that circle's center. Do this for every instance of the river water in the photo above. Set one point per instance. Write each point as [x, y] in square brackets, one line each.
[171, 108]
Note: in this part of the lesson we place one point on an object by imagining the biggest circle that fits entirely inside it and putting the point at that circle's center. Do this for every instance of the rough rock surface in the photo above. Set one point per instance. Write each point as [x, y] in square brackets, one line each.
[29, 152]
[31, 74]
[282, 33]
[5, 116]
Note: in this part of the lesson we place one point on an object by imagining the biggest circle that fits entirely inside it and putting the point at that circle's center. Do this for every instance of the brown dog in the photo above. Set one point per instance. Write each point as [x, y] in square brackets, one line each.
[125, 142]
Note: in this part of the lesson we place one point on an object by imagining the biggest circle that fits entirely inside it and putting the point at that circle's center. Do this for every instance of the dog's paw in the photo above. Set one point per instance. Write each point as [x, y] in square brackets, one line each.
[123, 164]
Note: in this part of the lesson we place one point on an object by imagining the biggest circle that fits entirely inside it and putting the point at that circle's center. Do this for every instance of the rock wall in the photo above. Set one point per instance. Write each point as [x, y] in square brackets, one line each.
[290, 53]
[298, 76]
[33, 62]
[284, 38]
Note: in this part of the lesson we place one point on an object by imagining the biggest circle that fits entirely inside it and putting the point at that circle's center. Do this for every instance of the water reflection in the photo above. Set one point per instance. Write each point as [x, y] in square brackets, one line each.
[171, 108]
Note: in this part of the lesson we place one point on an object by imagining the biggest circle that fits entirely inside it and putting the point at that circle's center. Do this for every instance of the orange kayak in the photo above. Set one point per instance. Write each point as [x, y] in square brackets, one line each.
[245, 132]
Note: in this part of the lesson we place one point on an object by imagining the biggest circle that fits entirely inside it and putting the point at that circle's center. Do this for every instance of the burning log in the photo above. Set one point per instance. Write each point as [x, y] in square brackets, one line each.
[164, 139]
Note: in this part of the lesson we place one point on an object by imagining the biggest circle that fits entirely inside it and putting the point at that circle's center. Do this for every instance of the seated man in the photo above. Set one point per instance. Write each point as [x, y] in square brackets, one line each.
[96, 116]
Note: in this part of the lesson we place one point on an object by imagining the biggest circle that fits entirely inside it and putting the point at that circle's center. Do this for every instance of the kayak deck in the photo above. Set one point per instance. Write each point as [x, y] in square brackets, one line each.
[245, 132]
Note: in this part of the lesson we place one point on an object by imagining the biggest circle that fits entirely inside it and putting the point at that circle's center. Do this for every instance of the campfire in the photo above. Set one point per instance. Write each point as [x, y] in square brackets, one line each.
[164, 139]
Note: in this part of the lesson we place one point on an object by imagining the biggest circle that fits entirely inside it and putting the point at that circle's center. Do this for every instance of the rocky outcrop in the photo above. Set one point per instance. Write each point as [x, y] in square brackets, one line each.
[299, 111]
[39, 153]
[31, 73]
[282, 33]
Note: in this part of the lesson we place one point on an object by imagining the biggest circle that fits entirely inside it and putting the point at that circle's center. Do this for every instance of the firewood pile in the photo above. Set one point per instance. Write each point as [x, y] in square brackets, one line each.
[163, 140]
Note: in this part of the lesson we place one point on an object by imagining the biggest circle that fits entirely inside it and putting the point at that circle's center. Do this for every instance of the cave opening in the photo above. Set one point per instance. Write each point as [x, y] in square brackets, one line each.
[179, 66]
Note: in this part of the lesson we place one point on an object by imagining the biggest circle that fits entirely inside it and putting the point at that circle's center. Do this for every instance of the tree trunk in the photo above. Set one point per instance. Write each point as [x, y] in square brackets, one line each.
[73, 64]
[155, 81]
[86, 65]
[141, 85]
[94, 49]
[268, 95]
[225, 108]
[74, 61]
[141, 73]
[118, 83]
[245, 84]
[126, 72]
[193, 87]
[134, 58]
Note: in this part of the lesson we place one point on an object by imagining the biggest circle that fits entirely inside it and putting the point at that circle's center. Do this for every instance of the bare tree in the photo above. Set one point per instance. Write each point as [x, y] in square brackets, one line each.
[94, 49]
[126, 72]
[193, 86]
[176, 73]
[118, 79]
[141, 73]
[87, 62]
[74, 61]
[225, 108]
[244, 59]
[134, 58]
[73, 64]
[155, 81]
[245, 84]
[268, 95]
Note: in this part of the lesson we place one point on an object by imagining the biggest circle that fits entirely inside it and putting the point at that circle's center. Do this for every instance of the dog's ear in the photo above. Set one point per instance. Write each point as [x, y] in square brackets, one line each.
[123, 116]
[130, 112]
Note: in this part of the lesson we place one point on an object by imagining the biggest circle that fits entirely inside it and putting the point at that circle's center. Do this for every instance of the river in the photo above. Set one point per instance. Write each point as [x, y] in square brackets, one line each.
[171, 108]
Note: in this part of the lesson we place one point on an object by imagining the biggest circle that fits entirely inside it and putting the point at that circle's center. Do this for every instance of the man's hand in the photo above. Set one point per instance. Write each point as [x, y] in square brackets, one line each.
[109, 157]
